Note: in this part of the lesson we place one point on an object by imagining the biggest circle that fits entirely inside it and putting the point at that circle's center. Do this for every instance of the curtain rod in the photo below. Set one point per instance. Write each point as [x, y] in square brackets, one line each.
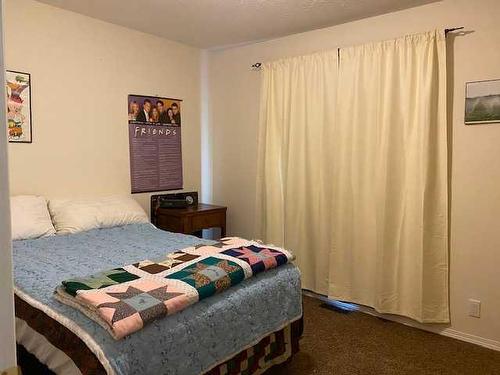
[446, 31]
[258, 65]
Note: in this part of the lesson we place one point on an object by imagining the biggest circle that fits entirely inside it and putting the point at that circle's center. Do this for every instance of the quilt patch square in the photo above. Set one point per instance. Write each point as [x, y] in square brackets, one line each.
[150, 267]
[142, 301]
[156, 267]
[210, 275]
[129, 307]
[177, 258]
[204, 250]
[259, 258]
[218, 247]
[98, 281]
[214, 273]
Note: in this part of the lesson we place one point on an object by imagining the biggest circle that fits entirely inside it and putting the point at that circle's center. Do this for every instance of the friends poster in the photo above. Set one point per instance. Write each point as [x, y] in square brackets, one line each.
[154, 125]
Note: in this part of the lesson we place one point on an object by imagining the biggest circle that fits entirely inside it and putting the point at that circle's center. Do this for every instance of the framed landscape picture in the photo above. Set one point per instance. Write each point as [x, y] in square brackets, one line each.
[482, 102]
[18, 85]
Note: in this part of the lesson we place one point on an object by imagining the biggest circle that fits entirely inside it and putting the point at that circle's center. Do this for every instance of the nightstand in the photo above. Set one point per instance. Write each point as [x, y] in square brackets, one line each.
[192, 219]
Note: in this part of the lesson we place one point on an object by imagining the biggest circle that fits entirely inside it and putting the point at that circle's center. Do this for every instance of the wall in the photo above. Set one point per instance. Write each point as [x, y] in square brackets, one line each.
[7, 335]
[475, 200]
[82, 70]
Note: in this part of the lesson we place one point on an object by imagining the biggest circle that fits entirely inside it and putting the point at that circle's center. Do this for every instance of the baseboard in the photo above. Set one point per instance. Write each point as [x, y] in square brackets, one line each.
[462, 336]
[440, 329]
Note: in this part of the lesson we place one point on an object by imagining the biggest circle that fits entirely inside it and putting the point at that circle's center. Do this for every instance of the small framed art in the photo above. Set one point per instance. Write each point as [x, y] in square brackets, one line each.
[18, 85]
[482, 102]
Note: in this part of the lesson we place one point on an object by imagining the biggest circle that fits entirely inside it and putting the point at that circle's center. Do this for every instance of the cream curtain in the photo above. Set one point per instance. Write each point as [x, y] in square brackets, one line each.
[390, 220]
[297, 101]
[353, 172]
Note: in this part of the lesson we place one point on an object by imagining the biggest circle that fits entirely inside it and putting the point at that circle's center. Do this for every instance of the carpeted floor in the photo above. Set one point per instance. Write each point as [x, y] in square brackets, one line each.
[341, 343]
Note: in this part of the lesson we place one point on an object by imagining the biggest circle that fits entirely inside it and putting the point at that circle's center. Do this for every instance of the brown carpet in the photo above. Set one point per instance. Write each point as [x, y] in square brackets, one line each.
[340, 343]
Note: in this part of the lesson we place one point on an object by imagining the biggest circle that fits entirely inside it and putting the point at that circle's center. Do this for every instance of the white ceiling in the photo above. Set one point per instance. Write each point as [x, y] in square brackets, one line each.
[216, 23]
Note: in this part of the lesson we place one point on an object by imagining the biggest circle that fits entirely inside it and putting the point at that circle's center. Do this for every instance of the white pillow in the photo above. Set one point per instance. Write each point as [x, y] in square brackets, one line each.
[77, 215]
[30, 217]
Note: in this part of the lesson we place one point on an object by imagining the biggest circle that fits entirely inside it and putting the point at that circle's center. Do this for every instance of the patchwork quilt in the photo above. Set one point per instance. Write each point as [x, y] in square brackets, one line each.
[123, 300]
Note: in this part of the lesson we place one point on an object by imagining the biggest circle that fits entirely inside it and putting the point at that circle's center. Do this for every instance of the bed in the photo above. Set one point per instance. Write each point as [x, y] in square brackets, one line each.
[246, 329]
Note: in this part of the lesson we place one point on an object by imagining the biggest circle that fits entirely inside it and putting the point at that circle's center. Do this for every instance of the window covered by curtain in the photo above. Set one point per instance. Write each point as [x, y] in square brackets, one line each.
[297, 114]
[353, 172]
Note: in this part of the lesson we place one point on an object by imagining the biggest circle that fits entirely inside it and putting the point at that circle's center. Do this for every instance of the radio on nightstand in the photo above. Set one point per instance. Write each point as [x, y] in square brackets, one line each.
[182, 213]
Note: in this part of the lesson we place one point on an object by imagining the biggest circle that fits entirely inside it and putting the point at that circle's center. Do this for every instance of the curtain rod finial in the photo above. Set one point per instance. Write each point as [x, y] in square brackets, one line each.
[256, 66]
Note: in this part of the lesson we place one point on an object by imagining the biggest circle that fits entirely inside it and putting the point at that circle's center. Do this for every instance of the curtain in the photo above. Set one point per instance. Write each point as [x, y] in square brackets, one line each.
[352, 173]
[296, 119]
[390, 224]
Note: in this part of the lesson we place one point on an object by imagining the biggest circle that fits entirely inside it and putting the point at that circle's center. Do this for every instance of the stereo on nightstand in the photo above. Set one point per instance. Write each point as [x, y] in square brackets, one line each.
[182, 213]
[175, 200]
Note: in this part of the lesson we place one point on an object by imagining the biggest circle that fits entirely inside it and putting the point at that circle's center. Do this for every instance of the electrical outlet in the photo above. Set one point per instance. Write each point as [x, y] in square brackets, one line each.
[475, 308]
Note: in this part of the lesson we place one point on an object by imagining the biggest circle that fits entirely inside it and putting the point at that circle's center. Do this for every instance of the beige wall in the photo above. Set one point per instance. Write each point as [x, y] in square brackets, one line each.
[82, 70]
[475, 209]
[7, 338]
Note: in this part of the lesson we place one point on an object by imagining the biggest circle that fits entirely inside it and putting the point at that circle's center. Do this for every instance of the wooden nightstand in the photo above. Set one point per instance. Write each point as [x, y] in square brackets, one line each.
[193, 219]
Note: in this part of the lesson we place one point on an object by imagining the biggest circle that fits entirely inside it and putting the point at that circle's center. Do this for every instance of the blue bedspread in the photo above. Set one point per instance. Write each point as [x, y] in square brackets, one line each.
[189, 342]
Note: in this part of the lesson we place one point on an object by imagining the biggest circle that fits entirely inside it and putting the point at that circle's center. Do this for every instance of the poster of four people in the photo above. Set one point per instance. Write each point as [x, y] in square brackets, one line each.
[154, 110]
[155, 143]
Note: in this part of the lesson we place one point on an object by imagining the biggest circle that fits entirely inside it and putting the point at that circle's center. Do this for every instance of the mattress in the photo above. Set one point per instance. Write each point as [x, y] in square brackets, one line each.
[190, 342]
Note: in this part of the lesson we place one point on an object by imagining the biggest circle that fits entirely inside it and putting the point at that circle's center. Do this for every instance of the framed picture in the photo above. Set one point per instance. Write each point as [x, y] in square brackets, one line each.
[482, 102]
[18, 85]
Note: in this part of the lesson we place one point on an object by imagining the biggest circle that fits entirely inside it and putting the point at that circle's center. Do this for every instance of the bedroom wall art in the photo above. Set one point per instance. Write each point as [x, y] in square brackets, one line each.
[155, 143]
[18, 85]
[482, 102]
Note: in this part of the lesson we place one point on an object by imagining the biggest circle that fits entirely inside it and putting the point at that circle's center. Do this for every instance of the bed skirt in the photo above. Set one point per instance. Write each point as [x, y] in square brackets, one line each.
[47, 347]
